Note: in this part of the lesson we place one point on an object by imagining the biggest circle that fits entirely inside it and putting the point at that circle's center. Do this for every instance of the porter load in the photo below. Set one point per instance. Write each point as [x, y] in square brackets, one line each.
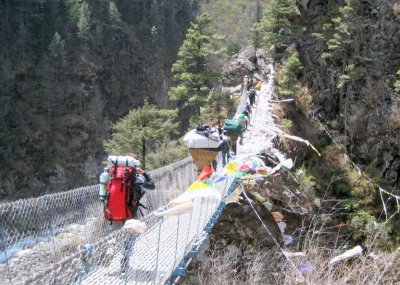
[204, 143]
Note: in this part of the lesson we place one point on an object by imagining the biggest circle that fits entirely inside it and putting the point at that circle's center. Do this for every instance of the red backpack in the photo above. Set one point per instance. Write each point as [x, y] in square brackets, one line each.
[117, 209]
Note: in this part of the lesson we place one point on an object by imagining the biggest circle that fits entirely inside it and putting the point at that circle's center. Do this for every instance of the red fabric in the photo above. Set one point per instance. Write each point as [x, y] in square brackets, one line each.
[244, 167]
[261, 170]
[117, 208]
[205, 173]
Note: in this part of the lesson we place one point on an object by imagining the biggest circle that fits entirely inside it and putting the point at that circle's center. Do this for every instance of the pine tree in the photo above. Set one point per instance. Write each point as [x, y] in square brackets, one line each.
[115, 15]
[57, 48]
[276, 24]
[80, 14]
[141, 130]
[168, 151]
[287, 84]
[219, 107]
[191, 71]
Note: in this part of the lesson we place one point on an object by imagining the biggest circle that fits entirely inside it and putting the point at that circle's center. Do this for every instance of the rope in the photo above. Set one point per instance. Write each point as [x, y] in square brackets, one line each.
[270, 234]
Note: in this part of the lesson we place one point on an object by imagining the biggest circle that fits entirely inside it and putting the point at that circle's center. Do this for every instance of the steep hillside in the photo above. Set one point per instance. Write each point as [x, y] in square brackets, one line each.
[234, 19]
[68, 69]
[349, 51]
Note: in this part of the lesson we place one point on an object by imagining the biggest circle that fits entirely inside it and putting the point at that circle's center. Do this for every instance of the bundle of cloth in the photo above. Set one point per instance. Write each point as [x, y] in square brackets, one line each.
[203, 137]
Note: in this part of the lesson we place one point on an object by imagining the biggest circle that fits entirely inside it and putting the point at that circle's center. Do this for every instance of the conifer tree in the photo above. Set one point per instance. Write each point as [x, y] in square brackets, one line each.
[288, 85]
[191, 72]
[57, 48]
[276, 23]
[115, 15]
[168, 151]
[219, 106]
[141, 130]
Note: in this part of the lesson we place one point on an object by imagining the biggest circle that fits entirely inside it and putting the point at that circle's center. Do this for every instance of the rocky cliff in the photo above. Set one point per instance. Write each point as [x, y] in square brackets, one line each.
[349, 51]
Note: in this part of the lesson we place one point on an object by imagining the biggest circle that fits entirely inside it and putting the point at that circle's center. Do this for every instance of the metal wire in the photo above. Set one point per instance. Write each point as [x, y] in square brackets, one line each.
[63, 239]
[38, 232]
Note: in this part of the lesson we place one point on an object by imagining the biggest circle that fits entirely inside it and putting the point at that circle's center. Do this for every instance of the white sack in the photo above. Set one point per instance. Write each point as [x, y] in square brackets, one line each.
[347, 254]
[176, 210]
[135, 226]
[194, 140]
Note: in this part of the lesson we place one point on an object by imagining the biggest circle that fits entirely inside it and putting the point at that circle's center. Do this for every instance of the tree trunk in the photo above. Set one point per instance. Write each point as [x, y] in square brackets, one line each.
[144, 154]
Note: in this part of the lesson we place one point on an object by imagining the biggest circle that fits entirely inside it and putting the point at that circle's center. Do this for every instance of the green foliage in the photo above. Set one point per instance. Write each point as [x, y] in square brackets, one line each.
[341, 189]
[168, 151]
[360, 222]
[338, 29]
[287, 83]
[233, 19]
[115, 15]
[256, 35]
[287, 123]
[142, 130]
[356, 192]
[349, 74]
[219, 106]
[276, 25]
[307, 182]
[365, 227]
[350, 205]
[57, 48]
[80, 14]
[397, 83]
[68, 68]
[191, 71]
[233, 48]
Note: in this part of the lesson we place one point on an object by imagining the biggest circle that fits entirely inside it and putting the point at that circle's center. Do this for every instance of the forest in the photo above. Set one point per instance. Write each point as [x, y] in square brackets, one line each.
[68, 70]
[82, 79]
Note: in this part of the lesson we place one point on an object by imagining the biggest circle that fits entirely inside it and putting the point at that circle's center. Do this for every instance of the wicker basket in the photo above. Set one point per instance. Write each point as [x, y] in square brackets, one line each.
[202, 157]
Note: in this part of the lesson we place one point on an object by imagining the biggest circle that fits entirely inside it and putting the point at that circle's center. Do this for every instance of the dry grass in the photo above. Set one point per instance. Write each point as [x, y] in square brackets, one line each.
[250, 267]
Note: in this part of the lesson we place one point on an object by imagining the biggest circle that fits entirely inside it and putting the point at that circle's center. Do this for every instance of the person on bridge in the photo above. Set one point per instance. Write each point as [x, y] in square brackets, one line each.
[226, 147]
[243, 121]
[125, 189]
[247, 111]
[252, 96]
[141, 179]
[125, 192]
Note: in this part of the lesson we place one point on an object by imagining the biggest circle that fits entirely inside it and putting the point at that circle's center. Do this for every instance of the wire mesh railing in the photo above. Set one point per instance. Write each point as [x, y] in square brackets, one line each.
[63, 239]
[121, 258]
[37, 232]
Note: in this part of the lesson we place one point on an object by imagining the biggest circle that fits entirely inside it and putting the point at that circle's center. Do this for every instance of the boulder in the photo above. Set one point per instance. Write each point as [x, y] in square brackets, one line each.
[242, 64]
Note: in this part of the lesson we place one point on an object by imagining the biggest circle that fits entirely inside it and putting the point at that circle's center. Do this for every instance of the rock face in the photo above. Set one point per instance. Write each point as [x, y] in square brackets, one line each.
[239, 224]
[248, 61]
[372, 114]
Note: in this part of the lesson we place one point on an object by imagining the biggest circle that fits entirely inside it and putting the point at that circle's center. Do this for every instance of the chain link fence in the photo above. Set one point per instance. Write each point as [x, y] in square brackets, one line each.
[122, 258]
[63, 239]
[38, 232]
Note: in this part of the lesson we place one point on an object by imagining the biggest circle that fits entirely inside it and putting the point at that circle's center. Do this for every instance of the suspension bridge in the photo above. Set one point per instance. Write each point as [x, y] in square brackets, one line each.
[63, 239]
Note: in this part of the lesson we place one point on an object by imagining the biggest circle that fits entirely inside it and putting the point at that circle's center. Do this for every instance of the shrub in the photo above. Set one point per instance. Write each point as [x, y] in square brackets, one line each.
[287, 123]
[364, 227]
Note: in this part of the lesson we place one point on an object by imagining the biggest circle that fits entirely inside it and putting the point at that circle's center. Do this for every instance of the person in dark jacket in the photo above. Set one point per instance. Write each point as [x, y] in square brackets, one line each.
[140, 179]
[252, 96]
[226, 147]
